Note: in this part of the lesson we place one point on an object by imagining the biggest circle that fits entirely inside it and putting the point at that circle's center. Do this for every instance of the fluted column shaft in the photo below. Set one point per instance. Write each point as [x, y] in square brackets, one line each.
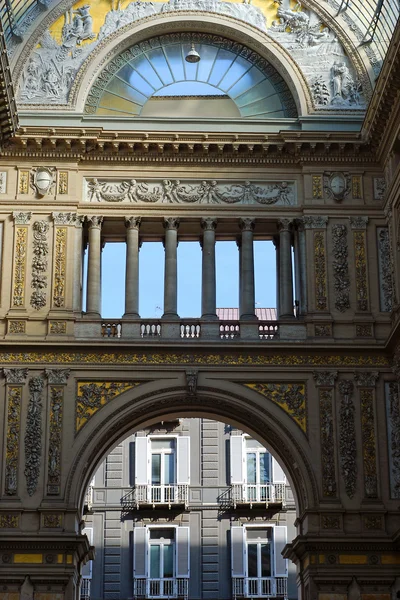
[171, 226]
[285, 269]
[93, 302]
[246, 254]
[208, 281]
[132, 225]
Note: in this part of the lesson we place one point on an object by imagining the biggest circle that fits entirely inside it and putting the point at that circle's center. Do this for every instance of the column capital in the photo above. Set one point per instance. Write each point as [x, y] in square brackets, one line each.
[94, 221]
[133, 222]
[314, 222]
[358, 222]
[325, 378]
[61, 218]
[171, 223]
[209, 224]
[285, 224]
[15, 375]
[57, 376]
[366, 378]
[22, 218]
[247, 224]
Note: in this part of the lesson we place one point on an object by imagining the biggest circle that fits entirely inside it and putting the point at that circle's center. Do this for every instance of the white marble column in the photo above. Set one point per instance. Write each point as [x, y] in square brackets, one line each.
[78, 265]
[208, 281]
[247, 304]
[171, 226]
[132, 225]
[285, 269]
[93, 302]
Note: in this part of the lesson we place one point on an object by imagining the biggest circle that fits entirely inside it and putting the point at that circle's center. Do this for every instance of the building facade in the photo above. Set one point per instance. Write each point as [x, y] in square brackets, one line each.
[189, 509]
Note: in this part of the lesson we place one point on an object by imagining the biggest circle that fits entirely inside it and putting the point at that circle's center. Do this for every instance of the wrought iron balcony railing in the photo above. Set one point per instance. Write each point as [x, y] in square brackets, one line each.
[259, 587]
[161, 588]
[156, 495]
[85, 589]
[260, 493]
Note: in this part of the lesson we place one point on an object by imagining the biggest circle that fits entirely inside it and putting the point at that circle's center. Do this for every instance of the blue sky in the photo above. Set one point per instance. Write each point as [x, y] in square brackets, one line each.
[189, 278]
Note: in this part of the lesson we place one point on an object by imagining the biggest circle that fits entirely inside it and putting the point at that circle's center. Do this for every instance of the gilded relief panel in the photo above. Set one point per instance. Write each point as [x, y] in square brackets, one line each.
[21, 237]
[60, 267]
[291, 397]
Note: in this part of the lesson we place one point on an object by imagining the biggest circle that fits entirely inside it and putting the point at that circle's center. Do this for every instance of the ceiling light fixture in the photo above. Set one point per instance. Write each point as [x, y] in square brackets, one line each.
[193, 56]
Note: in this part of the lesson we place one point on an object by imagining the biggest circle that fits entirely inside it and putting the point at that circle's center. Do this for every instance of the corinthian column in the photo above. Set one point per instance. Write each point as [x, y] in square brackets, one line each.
[93, 302]
[132, 225]
[208, 281]
[285, 269]
[247, 294]
[171, 226]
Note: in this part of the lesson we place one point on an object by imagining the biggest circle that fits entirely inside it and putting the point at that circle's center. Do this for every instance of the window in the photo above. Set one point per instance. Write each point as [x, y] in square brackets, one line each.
[257, 463]
[259, 557]
[163, 470]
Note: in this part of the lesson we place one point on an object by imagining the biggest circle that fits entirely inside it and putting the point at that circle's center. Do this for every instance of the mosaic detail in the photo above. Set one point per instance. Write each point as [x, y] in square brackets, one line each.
[317, 192]
[369, 442]
[21, 236]
[385, 269]
[58, 327]
[291, 397]
[360, 256]
[39, 264]
[33, 435]
[93, 395]
[60, 267]
[16, 326]
[327, 443]
[100, 357]
[63, 182]
[393, 423]
[23, 184]
[9, 521]
[341, 268]
[55, 439]
[347, 438]
[14, 399]
[321, 292]
[356, 188]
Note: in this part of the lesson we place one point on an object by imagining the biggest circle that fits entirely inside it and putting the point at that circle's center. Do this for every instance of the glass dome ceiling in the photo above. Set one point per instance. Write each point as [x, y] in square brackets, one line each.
[158, 69]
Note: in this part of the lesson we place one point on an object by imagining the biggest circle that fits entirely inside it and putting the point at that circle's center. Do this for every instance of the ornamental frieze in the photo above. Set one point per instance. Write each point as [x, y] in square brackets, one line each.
[91, 396]
[291, 397]
[167, 191]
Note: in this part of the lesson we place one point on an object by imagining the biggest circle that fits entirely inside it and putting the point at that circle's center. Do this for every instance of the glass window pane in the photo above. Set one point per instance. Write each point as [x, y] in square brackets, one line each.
[265, 560]
[175, 60]
[250, 443]
[162, 444]
[221, 65]
[156, 469]
[168, 561]
[154, 561]
[144, 67]
[252, 560]
[157, 59]
[251, 467]
[162, 534]
[208, 54]
[134, 79]
[258, 533]
[235, 72]
[264, 467]
[169, 468]
[124, 90]
[249, 80]
[258, 92]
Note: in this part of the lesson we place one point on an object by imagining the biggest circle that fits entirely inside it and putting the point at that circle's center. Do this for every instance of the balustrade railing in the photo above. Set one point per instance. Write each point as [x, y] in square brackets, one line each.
[111, 329]
[268, 493]
[268, 330]
[190, 330]
[155, 495]
[150, 329]
[161, 588]
[85, 589]
[259, 587]
[229, 330]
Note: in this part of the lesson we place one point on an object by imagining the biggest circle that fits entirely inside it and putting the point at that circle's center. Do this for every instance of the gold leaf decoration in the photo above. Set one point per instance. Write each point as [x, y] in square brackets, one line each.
[291, 397]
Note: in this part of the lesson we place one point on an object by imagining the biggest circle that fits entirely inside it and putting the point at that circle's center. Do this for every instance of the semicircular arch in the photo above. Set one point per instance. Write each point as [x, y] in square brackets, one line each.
[148, 404]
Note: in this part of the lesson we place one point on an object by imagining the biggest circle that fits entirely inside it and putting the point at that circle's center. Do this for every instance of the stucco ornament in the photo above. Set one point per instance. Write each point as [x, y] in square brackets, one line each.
[348, 447]
[341, 267]
[386, 284]
[337, 185]
[43, 180]
[33, 435]
[191, 192]
[393, 422]
[39, 264]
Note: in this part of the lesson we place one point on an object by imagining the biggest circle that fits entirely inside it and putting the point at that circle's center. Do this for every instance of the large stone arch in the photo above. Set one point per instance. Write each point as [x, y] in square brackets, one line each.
[224, 401]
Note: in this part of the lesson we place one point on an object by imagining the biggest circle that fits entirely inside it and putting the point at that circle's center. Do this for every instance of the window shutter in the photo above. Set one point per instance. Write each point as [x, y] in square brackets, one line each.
[141, 460]
[183, 459]
[87, 569]
[280, 535]
[237, 458]
[238, 551]
[182, 552]
[278, 474]
[140, 552]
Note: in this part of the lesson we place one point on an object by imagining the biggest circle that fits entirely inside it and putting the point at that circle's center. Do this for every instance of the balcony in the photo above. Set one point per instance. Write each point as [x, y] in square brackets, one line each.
[85, 589]
[259, 587]
[161, 588]
[244, 494]
[144, 496]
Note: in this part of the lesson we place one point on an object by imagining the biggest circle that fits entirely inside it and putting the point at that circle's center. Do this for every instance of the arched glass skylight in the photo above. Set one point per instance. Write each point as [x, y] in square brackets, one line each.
[157, 69]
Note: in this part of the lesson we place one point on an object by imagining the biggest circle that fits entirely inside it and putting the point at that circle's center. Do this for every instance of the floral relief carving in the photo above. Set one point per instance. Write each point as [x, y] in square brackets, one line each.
[52, 521]
[323, 330]
[54, 455]
[21, 236]
[58, 327]
[327, 442]
[65, 218]
[14, 398]
[393, 418]
[321, 293]
[60, 267]
[191, 192]
[315, 222]
[341, 267]
[57, 376]
[347, 439]
[325, 378]
[366, 378]
[93, 395]
[16, 326]
[33, 435]
[385, 269]
[330, 522]
[15, 375]
[360, 255]
[9, 521]
[39, 264]
[369, 443]
[22, 218]
[291, 397]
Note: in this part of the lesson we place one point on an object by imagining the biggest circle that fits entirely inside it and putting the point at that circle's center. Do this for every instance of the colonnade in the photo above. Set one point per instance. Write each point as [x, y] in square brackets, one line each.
[283, 244]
